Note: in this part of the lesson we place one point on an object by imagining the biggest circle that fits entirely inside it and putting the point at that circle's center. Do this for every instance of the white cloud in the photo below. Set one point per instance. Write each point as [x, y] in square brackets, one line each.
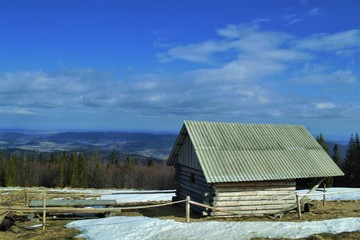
[200, 53]
[291, 19]
[17, 111]
[338, 77]
[244, 72]
[241, 39]
[325, 105]
[342, 43]
[314, 12]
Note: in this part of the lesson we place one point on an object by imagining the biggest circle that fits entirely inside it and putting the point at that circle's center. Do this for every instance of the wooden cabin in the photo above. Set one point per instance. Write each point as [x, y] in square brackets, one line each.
[247, 169]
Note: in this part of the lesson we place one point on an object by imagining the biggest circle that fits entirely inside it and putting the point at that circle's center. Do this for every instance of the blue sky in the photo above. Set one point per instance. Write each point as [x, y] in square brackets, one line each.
[149, 65]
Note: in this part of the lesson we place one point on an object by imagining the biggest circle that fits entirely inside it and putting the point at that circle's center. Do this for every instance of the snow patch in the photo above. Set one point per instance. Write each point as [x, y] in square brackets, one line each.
[153, 228]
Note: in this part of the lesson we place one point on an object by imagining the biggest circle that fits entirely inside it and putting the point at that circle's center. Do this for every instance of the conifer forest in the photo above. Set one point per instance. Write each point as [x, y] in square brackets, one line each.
[94, 170]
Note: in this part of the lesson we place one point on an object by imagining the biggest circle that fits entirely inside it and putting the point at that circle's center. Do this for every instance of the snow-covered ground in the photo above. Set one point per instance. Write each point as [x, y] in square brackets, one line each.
[128, 196]
[153, 228]
[346, 194]
[121, 196]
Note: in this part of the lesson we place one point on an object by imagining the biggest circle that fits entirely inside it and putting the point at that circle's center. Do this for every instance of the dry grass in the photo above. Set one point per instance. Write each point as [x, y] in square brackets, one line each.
[54, 230]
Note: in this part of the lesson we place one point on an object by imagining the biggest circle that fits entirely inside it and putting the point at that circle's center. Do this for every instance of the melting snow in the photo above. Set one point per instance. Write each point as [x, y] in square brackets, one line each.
[154, 228]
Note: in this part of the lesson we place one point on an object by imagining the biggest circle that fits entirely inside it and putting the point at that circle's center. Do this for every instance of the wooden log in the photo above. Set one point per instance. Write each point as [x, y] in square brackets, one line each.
[26, 199]
[188, 169]
[183, 195]
[324, 196]
[72, 202]
[277, 207]
[140, 192]
[227, 212]
[298, 206]
[84, 210]
[241, 213]
[187, 175]
[188, 209]
[254, 198]
[44, 211]
[183, 178]
[251, 203]
[198, 185]
[250, 189]
[194, 208]
[254, 184]
[305, 199]
[191, 191]
[193, 186]
[254, 193]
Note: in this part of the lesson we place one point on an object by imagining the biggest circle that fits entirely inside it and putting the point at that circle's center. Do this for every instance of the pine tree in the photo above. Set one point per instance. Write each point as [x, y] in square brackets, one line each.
[83, 170]
[74, 170]
[337, 159]
[129, 169]
[25, 169]
[350, 164]
[357, 161]
[96, 180]
[114, 158]
[321, 140]
[61, 179]
[2, 169]
[11, 171]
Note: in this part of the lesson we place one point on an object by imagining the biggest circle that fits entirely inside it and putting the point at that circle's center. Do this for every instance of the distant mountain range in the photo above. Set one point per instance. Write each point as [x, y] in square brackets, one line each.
[133, 143]
[145, 144]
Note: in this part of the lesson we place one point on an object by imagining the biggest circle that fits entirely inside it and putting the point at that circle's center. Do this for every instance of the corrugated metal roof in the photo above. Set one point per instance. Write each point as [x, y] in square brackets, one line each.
[232, 152]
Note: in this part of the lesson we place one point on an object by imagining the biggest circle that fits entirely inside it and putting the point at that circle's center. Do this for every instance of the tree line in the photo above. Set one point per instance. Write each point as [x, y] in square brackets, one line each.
[78, 169]
[350, 165]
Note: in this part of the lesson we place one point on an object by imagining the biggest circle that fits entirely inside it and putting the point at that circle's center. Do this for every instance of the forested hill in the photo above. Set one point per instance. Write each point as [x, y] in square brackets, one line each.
[146, 144]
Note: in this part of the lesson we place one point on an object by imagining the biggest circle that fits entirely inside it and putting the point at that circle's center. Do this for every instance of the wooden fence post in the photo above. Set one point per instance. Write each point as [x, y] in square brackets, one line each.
[324, 195]
[298, 205]
[44, 211]
[188, 209]
[26, 199]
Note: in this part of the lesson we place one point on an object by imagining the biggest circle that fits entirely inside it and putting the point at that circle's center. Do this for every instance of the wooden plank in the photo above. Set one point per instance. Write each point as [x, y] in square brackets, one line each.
[72, 202]
[200, 191]
[196, 176]
[254, 198]
[257, 207]
[250, 189]
[190, 170]
[254, 184]
[251, 203]
[196, 197]
[192, 191]
[140, 192]
[254, 193]
[241, 213]
[305, 199]
[187, 181]
[188, 209]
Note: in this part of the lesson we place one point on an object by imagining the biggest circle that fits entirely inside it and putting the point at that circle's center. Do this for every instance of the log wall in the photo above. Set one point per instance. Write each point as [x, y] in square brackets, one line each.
[252, 198]
[191, 182]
